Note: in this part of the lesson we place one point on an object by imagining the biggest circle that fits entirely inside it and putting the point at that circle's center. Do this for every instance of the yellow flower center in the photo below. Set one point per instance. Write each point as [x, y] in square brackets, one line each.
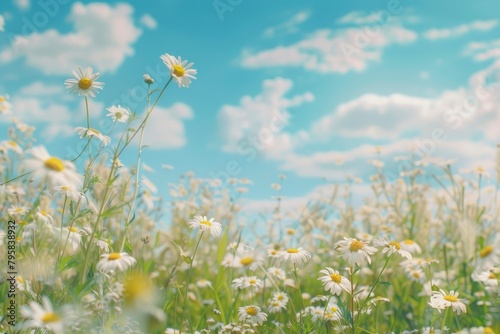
[73, 229]
[20, 279]
[23, 222]
[252, 281]
[356, 245]
[290, 231]
[43, 213]
[18, 210]
[395, 244]
[252, 311]
[492, 276]
[451, 299]
[416, 274]
[488, 330]
[84, 83]
[114, 256]
[12, 143]
[486, 251]
[336, 278]
[409, 242]
[178, 70]
[206, 222]
[55, 164]
[137, 288]
[246, 260]
[273, 252]
[292, 250]
[50, 317]
[333, 309]
[118, 114]
[2, 99]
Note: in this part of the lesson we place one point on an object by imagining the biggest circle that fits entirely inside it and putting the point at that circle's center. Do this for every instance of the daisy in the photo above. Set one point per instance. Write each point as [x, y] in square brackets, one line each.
[89, 132]
[204, 224]
[73, 237]
[355, 251]
[490, 254]
[411, 246]
[44, 217]
[281, 297]
[147, 79]
[488, 278]
[17, 210]
[11, 145]
[111, 262]
[5, 106]
[276, 306]
[332, 312]
[447, 300]
[69, 191]
[252, 314]
[181, 72]
[43, 317]
[118, 113]
[334, 282]
[52, 169]
[391, 247]
[295, 255]
[277, 272]
[85, 82]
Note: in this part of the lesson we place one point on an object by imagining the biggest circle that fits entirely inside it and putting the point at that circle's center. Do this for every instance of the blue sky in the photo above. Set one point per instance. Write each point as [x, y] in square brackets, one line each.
[401, 75]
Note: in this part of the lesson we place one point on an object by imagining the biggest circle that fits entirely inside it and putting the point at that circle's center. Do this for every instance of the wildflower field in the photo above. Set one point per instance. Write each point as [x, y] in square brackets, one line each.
[418, 256]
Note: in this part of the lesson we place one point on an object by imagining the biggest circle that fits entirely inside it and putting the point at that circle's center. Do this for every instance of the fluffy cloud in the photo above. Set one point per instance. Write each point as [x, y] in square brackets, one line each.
[289, 26]
[460, 30]
[361, 18]
[148, 21]
[258, 121]
[22, 4]
[482, 51]
[34, 103]
[2, 23]
[102, 37]
[338, 51]
[165, 127]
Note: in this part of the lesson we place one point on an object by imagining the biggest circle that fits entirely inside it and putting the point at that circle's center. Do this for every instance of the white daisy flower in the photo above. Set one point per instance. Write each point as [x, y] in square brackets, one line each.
[148, 79]
[332, 313]
[72, 236]
[411, 246]
[5, 106]
[180, 70]
[391, 247]
[488, 277]
[52, 169]
[85, 82]
[119, 113]
[355, 251]
[44, 217]
[247, 282]
[17, 211]
[277, 272]
[204, 224]
[251, 314]
[334, 282]
[295, 255]
[89, 132]
[281, 296]
[69, 191]
[11, 145]
[113, 261]
[43, 316]
[444, 300]
[276, 306]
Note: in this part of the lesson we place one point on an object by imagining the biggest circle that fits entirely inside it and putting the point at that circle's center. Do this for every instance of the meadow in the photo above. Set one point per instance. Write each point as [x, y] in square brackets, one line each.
[420, 255]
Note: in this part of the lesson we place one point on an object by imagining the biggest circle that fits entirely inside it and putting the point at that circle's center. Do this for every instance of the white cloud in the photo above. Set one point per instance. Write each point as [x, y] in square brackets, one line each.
[327, 51]
[482, 51]
[460, 30]
[148, 21]
[22, 4]
[165, 127]
[289, 26]
[45, 106]
[361, 18]
[102, 37]
[2, 23]
[261, 117]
